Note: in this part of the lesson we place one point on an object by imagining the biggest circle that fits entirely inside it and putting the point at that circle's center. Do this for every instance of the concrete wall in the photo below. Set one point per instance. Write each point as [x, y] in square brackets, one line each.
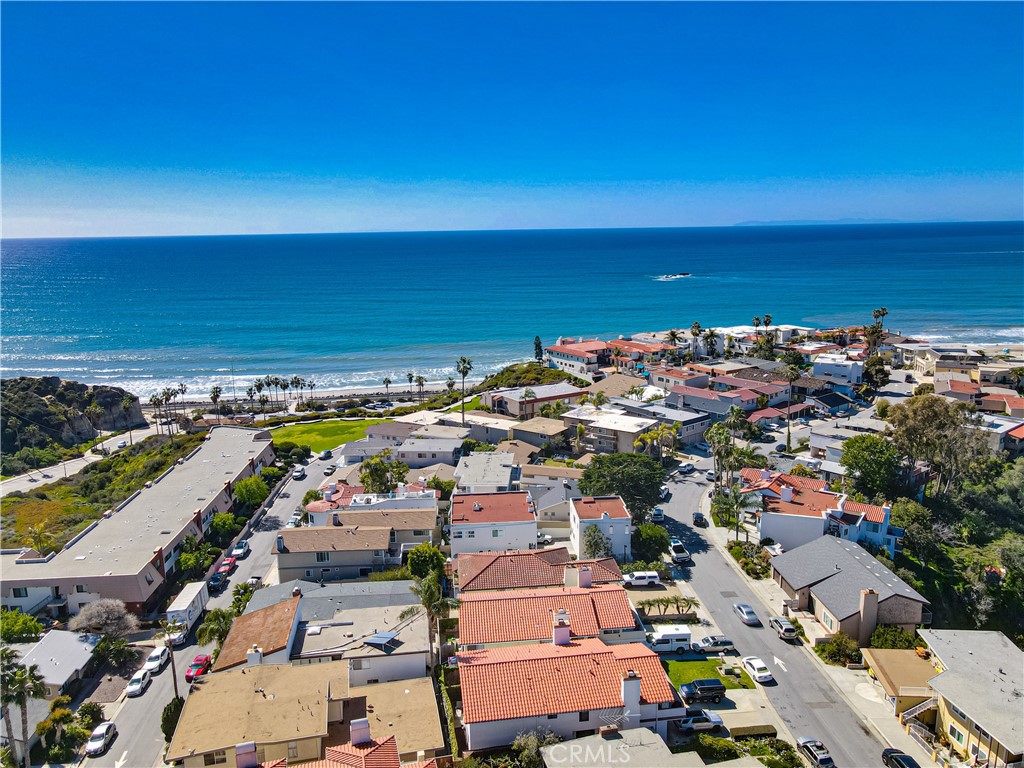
[482, 538]
[791, 531]
[616, 529]
[342, 565]
[307, 749]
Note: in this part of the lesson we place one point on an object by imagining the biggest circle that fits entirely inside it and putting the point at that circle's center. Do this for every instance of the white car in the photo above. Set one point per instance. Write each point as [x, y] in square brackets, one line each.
[298, 473]
[123, 444]
[757, 669]
[157, 660]
[686, 468]
[241, 549]
[544, 538]
[138, 684]
[710, 475]
[102, 735]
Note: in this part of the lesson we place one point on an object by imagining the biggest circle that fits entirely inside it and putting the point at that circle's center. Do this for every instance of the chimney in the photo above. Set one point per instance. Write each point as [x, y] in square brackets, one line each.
[296, 591]
[586, 578]
[359, 731]
[787, 492]
[245, 755]
[254, 656]
[334, 519]
[766, 474]
[560, 627]
[630, 696]
[566, 490]
[280, 544]
[868, 616]
[841, 503]
[333, 487]
[328, 496]
[400, 489]
[571, 577]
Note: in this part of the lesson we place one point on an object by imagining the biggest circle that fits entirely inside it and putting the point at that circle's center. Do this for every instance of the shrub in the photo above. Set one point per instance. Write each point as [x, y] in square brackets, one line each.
[392, 574]
[892, 637]
[715, 749]
[841, 649]
[169, 717]
[90, 714]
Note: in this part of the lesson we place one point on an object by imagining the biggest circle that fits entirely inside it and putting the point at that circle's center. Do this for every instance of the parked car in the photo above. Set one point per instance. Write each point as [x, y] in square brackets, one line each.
[707, 689]
[699, 520]
[767, 437]
[138, 684]
[123, 444]
[703, 446]
[710, 475]
[329, 469]
[641, 579]
[893, 758]
[544, 538]
[815, 751]
[663, 492]
[696, 719]
[298, 473]
[784, 627]
[657, 515]
[780, 448]
[294, 521]
[157, 660]
[326, 454]
[746, 614]
[686, 468]
[229, 563]
[757, 669]
[255, 582]
[100, 740]
[200, 666]
[713, 644]
[680, 554]
[240, 550]
[218, 581]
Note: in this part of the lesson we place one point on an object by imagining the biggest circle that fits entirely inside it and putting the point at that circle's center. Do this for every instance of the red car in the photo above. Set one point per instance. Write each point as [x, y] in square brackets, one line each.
[227, 566]
[200, 666]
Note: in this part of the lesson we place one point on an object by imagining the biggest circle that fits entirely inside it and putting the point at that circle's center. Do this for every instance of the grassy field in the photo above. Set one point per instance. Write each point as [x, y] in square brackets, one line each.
[322, 435]
[471, 405]
[680, 672]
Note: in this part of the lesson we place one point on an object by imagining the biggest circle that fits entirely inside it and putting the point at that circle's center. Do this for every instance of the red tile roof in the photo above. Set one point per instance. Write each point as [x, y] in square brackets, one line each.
[527, 568]
[510, 617]
[590, 508]
[872, 512]
[1017, 432]
[809, 496]
[528, 680]
[764, 413]
[965, 387]
[752, 477]
[341, 497]
[475, 508]
[675, 373]
[373, 754]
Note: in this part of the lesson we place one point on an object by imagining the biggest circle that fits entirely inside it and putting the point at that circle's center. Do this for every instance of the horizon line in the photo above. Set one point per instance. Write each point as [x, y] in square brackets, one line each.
[770, 224]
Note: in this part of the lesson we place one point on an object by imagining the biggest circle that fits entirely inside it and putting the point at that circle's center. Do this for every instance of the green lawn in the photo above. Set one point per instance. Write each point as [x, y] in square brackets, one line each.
[322, 435]
[471, 405]
[680, 672]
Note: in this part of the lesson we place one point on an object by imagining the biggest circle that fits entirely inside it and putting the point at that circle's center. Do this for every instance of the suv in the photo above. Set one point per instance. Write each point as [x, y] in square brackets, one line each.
[680, 554]
[707, 689]
[686, 468]
[784, 627]
[815, 751]
[893, 758]
[699, 520]
[713, 644]
[696, 719]
[657, 515]
[641, 579]
[298, 473]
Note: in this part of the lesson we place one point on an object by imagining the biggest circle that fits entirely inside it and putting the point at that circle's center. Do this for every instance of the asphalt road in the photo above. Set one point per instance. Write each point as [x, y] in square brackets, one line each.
[803, 697]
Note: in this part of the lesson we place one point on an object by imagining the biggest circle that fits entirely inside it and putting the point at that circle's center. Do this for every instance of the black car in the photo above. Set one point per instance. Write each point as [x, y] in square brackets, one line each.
[893, 758]
[707, 689]
[699, 520]
[218, 581]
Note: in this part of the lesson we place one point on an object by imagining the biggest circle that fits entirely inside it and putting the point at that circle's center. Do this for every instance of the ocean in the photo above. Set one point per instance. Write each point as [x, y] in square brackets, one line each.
[349, 309]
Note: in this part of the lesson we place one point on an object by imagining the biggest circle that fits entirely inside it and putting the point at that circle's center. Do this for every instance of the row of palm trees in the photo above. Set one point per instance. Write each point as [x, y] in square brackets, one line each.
[19, 684]
[463, 366]
[677, 603]
[708, 335]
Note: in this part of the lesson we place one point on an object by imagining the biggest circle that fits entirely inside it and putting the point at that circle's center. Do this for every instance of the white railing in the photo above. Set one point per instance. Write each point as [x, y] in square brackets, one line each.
[924, 706]
[912, 690]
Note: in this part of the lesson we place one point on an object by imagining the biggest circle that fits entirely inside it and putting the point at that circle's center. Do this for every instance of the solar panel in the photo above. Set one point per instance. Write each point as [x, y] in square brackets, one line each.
[381, 638]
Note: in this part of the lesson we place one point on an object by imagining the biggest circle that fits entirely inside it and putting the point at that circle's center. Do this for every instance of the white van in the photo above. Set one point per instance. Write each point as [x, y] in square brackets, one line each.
[670, 638]
[812, 464]
[641, 579]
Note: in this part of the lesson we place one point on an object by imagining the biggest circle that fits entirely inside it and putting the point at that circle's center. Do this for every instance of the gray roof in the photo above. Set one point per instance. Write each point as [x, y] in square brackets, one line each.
[488, 468]
[837, 571]
[983, 674]
[659, 410]
[321, 601]
[431, 444]
[59, 655]
[542, 390]
[832, 399]
[392, 429]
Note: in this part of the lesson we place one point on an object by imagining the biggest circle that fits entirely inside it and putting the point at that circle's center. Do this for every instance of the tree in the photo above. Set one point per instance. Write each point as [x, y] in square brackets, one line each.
[19, 627]
[108, 616]
[251, 491]
[649, 542]
[791, 374]
[94, 414]
[240, 597]
[313, 494]
[800, 470]
[841, 649]
[634, 477]
[673, 336]
[387, 387]
[919, 536]
[731, 503]
[215, 392]
[424, 558]
[792, 357]
[420, 382]
[116, 651]
[25, 683]
[446, 487]
[38, 538]
[710, 339]
[695, 332]
[595, 543]
[169, 717]
[450, 384]
[127, 404]
[887, 636]
[874, 463]
[215, 627]
[382, 475]
[876, 375]
[598, 398]
[1017, 374]
[882, 408]
[8, 666]
[463, 366]
[223, 527]
[433, 602]
[538, 349]
[528, 744]
[410, 376]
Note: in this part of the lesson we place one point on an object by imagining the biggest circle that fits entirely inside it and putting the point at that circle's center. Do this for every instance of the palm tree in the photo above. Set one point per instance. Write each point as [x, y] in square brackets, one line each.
[410, 376]
[387, 387]
[215, 398]
[1017, 374]
[8, 666]
[710, 339]
[695, 331]
[250, 393]
[420, 381]
[616, 354]
[733, 503]
[312, 385]
[26, 683]
[215, 627]
[168, 628]
[767, 322]
[258, 386]
[450, 383]
[432, 602]
[168, 396]
[285, 385]
[673, 337]
[155, 401]
[95, 415]
[14, 425]
[597, 399]
[263, 400]
[182, 389]
[756, 322]
[581, 432]
[38, 537]
[127, 403]
[463, 366]
[791, 374]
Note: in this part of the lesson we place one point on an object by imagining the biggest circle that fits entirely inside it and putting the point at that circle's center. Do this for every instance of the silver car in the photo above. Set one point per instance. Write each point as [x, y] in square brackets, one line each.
[746, 614]
[100, 740]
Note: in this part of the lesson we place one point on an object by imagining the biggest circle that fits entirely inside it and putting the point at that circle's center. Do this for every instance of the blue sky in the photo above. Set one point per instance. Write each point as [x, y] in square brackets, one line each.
[193, 118]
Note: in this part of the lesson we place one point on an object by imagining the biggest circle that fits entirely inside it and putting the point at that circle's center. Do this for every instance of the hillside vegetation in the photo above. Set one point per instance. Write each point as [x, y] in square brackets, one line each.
[525, 375]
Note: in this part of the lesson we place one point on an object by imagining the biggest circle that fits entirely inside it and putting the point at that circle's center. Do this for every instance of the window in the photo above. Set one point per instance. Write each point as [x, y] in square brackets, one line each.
[293, 750]
[826, 619]
[955, 734]
[958, 712]
[215, 758]
[584, 717]
[20, 592]
[359, 664]
[323, 557]
[496, 533]
[873, 527]
[309, 573]
[420, 533]
[80, 588]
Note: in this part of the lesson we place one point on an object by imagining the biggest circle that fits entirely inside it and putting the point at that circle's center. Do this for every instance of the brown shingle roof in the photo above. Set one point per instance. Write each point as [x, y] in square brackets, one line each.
[269, 628]
[399, 519]
[527, 568]
[340, 539]
[539, 425]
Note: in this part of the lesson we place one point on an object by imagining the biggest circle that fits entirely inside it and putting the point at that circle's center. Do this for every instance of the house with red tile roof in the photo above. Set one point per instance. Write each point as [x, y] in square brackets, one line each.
[608, 513]
[366, 753]
[796, 510]
[526, 569]
[492, 522]
[715, 404]
[666, 378]
[580, 358]
[571, 687]
[525, 616]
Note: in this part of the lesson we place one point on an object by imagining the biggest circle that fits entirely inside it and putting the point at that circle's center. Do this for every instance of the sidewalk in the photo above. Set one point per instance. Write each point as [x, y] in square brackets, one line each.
[861, 691]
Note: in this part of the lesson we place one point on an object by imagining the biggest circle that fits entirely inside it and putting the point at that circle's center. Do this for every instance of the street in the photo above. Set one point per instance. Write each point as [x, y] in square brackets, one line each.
[803, 697]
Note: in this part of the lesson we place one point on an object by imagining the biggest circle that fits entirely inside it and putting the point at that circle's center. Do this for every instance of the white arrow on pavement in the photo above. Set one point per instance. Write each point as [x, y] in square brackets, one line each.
[778, 663]
[122, 760]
